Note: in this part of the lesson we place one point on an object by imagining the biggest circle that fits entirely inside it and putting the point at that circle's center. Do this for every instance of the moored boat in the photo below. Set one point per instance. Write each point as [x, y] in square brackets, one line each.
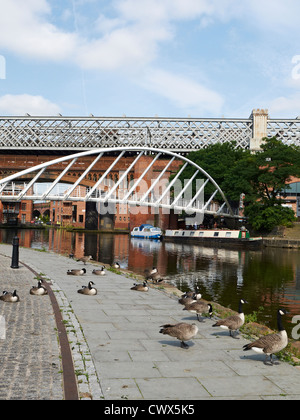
[214, 237]
[146, 231]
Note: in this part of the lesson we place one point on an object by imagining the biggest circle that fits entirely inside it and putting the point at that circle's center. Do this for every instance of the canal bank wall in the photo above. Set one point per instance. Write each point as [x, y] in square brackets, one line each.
[281, 243]
[284, 237]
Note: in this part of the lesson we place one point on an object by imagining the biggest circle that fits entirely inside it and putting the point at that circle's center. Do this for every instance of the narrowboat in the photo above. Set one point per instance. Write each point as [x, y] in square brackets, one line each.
[215, 237]
[146, 231]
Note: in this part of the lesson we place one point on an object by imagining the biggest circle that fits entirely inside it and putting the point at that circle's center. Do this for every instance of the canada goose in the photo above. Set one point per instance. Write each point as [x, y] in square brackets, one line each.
[85, 259]
[38, 290]
[149, 272]
[115, 265]
[88, 290]
[194, 294]
[181, 331]
[99, 271]
[190, 297]
[234, 322]
[155, 277]
[10, 297]
[140, 287]
[185, 300]
[271, 343]
[76, 272]
[199, 308]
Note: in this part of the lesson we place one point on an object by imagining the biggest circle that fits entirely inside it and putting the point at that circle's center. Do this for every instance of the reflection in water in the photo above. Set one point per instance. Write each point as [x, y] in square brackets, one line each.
[269, 278]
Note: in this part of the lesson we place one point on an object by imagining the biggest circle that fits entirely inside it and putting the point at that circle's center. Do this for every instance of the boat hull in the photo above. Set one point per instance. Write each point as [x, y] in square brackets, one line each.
[146, 231]
[145, 236]
[213, 238]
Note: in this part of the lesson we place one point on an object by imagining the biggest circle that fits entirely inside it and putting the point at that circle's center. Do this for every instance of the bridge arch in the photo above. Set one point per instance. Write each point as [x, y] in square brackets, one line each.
[138, 177]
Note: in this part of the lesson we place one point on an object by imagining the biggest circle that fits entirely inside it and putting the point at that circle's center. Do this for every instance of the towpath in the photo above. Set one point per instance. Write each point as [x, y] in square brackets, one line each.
[117, 350]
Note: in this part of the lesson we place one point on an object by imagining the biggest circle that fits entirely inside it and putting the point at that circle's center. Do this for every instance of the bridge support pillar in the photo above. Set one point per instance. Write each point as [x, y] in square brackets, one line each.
[260, 122]
[91, 218]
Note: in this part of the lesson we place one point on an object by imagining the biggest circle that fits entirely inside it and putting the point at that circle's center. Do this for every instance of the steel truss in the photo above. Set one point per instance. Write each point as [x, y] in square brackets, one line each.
[180, 135]
[161, 193]
[79, 133]
[288, 131]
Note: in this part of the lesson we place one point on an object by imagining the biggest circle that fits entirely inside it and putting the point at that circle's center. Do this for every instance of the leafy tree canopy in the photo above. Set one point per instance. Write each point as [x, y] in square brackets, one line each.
[260, 176]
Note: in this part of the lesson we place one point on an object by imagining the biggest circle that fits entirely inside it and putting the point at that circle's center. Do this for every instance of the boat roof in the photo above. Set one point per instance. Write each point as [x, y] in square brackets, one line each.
[145, 225]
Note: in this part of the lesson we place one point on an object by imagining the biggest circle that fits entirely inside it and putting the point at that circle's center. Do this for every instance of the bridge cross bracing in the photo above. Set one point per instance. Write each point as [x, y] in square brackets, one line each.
[147, 188]
[180, 135]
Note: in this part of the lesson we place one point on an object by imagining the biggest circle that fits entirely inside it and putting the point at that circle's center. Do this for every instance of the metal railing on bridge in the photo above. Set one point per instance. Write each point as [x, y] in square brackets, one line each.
[197, 194]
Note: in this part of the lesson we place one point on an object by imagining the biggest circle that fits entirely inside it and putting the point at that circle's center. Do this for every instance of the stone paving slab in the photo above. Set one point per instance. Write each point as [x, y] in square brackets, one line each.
[127, 357]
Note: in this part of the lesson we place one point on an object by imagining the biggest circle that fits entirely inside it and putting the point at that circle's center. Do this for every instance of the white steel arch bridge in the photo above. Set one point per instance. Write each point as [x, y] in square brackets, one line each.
[159, 192]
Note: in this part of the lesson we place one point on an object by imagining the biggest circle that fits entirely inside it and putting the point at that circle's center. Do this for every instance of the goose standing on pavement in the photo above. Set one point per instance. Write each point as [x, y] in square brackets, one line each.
[38, 290]
[76, 272]
[88, 290]
[99, 271]
[10, 297]
[182, 331]
[271, 343]
[85, 259]
[199, 308]
[140, 287]
[234, 322]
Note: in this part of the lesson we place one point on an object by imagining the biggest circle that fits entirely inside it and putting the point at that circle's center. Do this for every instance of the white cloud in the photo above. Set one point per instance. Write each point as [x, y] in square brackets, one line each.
[130, 47]
[285, 107]
[186, 94]
[22, 104]
[133, 29]
[26, 31]
[128, 35]
[273, 15]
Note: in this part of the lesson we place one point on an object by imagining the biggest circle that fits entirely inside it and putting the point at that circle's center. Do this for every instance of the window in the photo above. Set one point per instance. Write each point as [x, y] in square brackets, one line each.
[81, 218]
[216, 233]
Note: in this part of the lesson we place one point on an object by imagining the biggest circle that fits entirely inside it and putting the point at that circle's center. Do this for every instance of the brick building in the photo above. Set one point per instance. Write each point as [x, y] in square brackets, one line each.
[12, 213]
[78, 213]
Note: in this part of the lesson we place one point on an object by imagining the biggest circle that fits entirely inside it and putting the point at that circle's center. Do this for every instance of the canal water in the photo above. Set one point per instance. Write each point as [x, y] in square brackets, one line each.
[267, 279]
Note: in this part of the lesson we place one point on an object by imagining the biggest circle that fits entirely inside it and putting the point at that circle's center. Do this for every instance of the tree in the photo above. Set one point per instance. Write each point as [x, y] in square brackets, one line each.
[260, 176]
[263, 176]
[217, 160]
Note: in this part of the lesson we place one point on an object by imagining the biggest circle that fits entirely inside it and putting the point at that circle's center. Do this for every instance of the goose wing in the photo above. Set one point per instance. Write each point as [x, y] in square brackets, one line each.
[197, 306]
[270, 343]
[232, 322]
[182, 330]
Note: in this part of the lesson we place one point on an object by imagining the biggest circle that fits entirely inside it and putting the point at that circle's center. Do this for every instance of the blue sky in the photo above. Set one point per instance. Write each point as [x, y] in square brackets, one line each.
[171, 58]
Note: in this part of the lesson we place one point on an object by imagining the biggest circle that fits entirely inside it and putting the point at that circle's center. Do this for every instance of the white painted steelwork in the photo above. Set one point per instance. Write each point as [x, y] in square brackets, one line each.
[83, 133]
[171, 196]
[181, 135]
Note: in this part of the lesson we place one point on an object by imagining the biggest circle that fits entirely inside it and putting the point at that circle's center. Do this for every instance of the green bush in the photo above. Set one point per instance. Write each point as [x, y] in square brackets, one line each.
[265, 218]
